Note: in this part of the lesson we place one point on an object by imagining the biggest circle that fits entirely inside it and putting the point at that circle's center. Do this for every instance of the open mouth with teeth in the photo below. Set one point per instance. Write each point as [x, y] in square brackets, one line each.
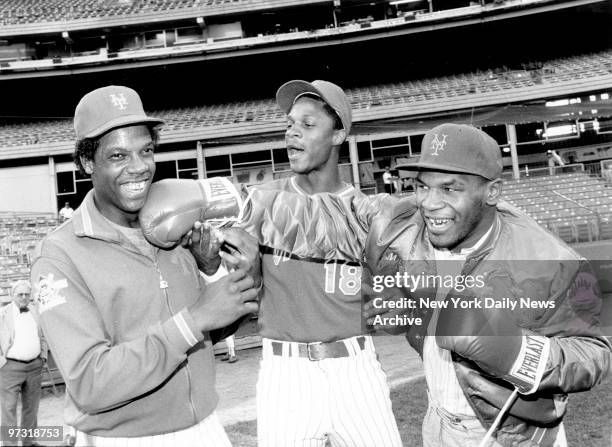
[438, 224]
[134, 188]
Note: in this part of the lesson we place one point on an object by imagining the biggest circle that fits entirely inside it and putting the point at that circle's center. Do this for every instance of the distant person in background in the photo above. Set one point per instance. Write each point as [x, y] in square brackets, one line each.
[66, 212]
[388, 181]
[230, 356]
[23, 353]
[554, 159]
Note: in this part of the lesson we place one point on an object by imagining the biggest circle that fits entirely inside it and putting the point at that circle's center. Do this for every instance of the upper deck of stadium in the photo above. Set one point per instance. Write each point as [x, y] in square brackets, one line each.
[21, 13]
[551, 78]
[59, 37]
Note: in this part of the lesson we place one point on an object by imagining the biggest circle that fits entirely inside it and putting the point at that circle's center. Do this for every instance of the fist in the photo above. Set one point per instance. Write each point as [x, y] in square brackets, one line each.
[491, 339]
[174, 205]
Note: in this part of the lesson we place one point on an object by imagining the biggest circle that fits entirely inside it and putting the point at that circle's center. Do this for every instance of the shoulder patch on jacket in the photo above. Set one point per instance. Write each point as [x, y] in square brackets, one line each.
[47, 292]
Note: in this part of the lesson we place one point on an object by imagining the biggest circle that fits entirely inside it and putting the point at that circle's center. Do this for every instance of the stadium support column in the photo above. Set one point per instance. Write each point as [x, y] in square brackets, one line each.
[354, 157]
[511, 132]
[200, 160]
[53, 185]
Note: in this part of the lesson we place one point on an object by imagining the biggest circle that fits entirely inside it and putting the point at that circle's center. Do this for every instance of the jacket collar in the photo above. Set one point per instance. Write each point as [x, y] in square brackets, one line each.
[88, 221]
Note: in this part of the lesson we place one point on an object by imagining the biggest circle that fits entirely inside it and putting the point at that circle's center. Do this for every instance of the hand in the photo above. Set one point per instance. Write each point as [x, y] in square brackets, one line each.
[241, 251]
[204, 242]
[492, 339]
[224, 301]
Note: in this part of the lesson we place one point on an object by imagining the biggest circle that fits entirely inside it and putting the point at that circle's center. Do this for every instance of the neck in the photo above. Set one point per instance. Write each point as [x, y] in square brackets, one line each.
[313, 184]
[326, 179]
[122, 219]
[481, 229]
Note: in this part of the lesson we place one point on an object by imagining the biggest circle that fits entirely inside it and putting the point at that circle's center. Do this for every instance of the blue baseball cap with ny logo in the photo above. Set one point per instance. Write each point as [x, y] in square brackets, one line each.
[458, 148]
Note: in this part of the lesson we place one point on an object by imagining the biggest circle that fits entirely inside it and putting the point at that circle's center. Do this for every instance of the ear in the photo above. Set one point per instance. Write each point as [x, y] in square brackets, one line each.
[338, 137]
[87, 165]
[494, 190]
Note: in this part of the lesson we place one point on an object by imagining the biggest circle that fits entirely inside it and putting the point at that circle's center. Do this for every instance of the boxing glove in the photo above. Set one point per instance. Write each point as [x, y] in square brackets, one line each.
[174, 205]
[491, 339]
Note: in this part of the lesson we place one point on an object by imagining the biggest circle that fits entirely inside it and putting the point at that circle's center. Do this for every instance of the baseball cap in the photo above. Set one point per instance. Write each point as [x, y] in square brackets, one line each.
[333, 95]
[109, 107]
[458, 148]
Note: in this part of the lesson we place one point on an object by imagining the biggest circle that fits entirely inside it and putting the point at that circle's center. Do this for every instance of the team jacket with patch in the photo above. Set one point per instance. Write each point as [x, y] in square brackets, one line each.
[519, 259]
[393, 238]
[116, 321]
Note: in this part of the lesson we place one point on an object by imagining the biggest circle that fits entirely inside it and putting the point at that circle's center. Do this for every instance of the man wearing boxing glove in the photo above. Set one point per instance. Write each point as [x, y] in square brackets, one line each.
[461, 228]
[131, 326]
[316, 354]
[486, 340]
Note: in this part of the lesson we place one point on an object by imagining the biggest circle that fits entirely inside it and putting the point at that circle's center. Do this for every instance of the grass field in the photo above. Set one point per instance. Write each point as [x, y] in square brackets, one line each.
[588, 421]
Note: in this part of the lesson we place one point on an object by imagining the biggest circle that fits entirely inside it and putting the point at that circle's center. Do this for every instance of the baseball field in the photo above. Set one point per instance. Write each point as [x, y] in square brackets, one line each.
[588, 421]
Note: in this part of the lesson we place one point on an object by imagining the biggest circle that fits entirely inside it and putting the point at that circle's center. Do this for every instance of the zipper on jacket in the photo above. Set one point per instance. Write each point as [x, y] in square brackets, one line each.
[163, 285]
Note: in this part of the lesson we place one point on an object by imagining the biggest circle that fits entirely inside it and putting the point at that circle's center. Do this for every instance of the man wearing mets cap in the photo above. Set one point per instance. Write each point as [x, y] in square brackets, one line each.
[497, 374]
[131, 326]
[320, 381]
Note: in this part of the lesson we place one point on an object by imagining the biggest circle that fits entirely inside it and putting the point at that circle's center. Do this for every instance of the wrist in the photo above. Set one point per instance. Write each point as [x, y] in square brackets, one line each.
[210, 266]
[215, 276]
[530, 364]
[201, 320]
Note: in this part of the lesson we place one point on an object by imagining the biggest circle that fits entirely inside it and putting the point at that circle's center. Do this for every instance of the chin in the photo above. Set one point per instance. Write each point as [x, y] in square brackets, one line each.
[298, 169]
[133, 206]
[442, 242]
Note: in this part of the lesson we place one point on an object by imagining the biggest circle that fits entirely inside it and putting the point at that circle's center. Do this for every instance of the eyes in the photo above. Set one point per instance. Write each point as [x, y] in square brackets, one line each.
[307, 124]
[420, 187]
[121, 156]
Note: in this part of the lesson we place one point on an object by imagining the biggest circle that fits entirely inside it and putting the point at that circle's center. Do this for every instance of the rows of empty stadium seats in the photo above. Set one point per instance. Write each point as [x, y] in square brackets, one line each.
[577, 207]
[408, 92]
[15, 12]
[19, 235]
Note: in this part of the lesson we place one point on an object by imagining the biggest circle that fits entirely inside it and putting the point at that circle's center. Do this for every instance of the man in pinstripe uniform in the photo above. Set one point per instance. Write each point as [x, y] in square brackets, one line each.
[320, 381]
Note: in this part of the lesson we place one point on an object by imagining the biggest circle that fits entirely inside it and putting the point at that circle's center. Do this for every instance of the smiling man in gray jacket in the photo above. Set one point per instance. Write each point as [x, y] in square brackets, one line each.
[129, 324]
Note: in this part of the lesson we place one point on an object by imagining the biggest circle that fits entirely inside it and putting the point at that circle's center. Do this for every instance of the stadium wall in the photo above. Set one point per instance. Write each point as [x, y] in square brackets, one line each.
[28, 188]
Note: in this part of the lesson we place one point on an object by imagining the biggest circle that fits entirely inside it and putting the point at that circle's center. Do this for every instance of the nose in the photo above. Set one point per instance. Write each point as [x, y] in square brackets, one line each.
[292, 131]
[430, 199]
[137, 164]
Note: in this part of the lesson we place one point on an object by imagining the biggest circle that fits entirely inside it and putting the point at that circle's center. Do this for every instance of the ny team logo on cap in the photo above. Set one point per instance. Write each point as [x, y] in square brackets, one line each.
[107, 108]
[458, 148]
[438, 144]
[119, 101]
